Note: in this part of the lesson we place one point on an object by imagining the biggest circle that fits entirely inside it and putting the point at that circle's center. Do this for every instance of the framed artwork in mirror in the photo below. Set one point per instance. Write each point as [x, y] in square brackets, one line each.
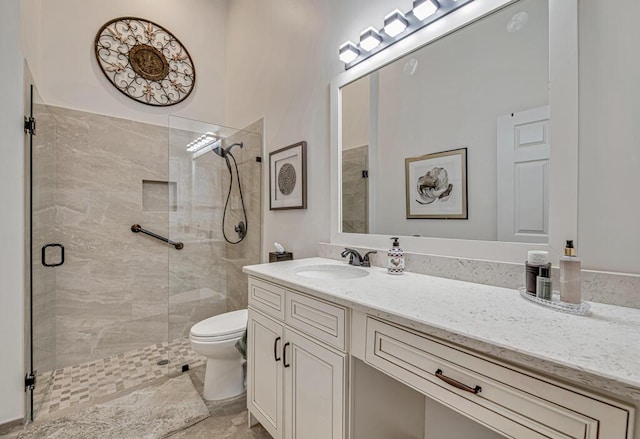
[288, 177]
[436, 185]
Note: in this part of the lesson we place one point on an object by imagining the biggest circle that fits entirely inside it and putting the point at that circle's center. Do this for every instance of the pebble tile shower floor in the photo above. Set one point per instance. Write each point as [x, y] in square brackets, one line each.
[86, 382]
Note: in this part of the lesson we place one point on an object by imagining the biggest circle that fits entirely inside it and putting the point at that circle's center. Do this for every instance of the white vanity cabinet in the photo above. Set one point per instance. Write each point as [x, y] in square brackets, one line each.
[303, 351]
[296, 376]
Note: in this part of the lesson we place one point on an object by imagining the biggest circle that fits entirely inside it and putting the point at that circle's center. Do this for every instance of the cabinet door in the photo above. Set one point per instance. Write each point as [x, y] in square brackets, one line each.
[264, 372]
[315, 390]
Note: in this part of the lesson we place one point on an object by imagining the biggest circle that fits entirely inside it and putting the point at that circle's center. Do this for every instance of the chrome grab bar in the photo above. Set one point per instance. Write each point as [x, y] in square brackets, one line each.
[137, 228]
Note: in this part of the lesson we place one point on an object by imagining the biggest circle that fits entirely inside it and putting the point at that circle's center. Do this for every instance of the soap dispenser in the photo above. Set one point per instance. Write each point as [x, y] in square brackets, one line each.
[395, 263]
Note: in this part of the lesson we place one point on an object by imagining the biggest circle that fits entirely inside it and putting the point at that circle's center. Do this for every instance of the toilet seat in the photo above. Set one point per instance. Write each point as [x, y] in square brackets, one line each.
[216, 338]
[221, 327]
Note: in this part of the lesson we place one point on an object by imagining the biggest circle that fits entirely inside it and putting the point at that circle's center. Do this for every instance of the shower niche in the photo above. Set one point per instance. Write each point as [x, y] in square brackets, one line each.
[159, 196]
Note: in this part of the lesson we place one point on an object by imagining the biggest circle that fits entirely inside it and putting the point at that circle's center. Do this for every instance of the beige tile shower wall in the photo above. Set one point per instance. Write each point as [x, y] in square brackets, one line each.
[44, 213]
[112, 290]
[197, 276]
[249, 250]
[355, 210]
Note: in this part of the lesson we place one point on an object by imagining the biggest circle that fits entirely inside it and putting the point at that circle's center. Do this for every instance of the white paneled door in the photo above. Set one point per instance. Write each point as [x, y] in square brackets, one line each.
[264, 373]
[523, 176]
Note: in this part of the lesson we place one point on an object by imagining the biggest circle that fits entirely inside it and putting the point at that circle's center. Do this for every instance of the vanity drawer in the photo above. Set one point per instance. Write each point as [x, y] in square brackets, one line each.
[267, 297]
[515, 403]
[321, 320]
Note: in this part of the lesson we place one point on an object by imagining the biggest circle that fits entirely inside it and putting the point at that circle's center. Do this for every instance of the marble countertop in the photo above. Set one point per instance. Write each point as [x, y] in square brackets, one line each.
[600, 351]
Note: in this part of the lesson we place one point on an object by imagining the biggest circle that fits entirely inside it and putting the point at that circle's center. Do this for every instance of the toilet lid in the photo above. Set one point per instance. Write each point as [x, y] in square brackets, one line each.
[223, 324]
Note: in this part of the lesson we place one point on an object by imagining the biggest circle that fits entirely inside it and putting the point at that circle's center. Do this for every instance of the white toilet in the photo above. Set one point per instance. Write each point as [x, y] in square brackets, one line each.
[215, 338]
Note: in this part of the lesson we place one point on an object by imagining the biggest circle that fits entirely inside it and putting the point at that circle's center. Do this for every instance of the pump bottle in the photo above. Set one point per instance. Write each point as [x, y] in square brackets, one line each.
[570, 287]
[395, 262]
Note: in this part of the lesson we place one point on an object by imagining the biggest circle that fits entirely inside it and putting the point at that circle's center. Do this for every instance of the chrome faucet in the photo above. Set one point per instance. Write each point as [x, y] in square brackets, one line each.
[356, 259]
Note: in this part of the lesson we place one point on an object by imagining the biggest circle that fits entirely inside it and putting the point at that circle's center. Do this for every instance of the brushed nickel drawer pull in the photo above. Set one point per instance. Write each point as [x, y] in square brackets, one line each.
[457, 384]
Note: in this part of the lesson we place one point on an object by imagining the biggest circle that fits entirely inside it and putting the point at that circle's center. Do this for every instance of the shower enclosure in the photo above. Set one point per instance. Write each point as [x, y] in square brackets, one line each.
[110, 306]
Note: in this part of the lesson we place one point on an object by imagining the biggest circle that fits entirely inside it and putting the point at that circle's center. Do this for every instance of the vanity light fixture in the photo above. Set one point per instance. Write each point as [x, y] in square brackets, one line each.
[397, 25]
[370, 39]
[348, 52]
[423, 9]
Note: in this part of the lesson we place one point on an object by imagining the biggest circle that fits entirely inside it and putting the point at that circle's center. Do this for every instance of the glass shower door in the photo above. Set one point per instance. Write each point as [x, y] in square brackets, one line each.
[220, 227]
[46, 253]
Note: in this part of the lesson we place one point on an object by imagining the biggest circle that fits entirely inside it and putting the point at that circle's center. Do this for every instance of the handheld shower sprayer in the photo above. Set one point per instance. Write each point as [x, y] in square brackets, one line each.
[224, 152]
[199, 147]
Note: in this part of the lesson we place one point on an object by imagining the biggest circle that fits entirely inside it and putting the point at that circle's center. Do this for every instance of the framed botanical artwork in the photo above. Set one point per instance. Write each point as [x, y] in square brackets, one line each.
[288, 177]
[436, 185]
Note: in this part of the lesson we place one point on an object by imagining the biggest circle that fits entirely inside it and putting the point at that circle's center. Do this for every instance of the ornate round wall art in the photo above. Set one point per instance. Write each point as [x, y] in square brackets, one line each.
[145, 61]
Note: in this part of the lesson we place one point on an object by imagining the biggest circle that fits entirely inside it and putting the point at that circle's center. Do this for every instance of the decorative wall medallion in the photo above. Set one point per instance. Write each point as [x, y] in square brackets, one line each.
[145, 61]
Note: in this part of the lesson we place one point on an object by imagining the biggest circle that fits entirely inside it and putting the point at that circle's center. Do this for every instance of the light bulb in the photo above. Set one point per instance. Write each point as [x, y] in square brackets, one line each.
[423, 9]
[348, 52]
[395, 23]
[370, 39]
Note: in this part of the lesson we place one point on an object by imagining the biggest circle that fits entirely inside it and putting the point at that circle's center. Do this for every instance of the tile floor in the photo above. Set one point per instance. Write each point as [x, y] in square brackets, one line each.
[84, 383]
[228, 419]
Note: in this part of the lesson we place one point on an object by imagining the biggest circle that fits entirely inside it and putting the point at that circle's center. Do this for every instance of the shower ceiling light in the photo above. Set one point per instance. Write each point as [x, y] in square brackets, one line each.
[202, 142]
[369, 39]
[396, 26]
[395, 23]
[423, 9]
[348, 52]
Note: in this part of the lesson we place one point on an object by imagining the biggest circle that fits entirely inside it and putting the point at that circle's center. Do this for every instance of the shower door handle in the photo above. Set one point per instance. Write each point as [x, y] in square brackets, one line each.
[44, 255]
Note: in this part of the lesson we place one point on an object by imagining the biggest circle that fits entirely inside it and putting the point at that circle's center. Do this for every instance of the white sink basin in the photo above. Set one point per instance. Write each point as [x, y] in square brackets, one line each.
[331, 272]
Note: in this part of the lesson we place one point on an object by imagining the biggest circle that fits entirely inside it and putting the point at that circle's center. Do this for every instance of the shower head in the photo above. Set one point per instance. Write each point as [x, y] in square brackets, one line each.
[223, 152]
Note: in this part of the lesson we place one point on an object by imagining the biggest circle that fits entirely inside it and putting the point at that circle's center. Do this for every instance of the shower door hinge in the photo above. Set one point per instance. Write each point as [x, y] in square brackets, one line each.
[30, 381]
[30, 125]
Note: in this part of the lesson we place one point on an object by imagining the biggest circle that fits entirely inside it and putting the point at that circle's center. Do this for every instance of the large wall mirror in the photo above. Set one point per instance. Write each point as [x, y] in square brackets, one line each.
[451, 140]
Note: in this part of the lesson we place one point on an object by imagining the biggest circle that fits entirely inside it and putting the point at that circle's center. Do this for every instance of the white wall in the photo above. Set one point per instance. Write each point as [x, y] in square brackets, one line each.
[277, 68]
[609, 204]
[12, 219]
[70, 76]
[31, 34]
[281, 59]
